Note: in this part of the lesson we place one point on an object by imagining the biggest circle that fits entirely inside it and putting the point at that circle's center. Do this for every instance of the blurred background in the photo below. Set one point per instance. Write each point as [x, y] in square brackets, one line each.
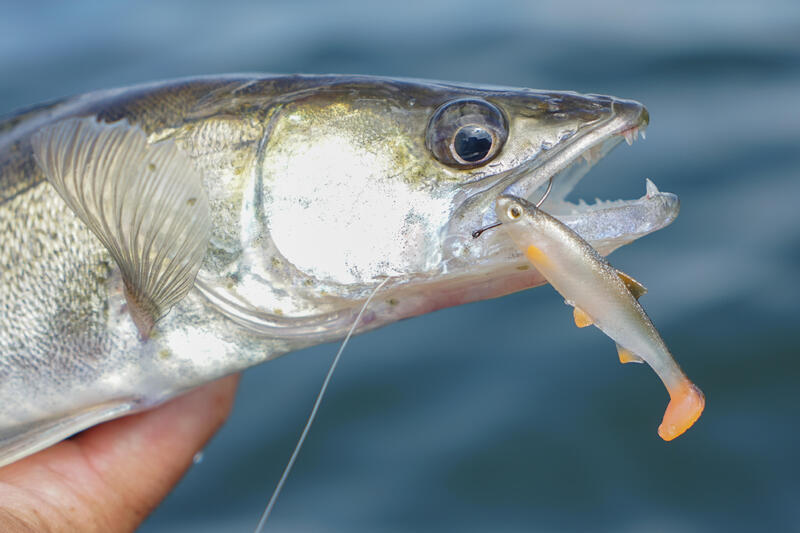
[501, 415]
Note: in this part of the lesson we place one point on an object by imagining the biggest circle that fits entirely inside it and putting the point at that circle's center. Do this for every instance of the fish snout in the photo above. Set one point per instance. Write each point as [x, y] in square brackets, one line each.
[633, 113]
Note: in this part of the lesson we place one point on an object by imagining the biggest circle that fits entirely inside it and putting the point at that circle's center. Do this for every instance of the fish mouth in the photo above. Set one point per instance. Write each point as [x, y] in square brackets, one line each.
[566, 165]
[606, 225]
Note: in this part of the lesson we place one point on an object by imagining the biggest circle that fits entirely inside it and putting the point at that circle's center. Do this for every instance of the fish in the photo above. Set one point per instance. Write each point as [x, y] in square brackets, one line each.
[603, 296]
[160, 236]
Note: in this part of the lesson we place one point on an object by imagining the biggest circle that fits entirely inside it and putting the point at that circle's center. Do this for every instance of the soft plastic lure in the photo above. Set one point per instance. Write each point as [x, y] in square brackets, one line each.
[603, 296]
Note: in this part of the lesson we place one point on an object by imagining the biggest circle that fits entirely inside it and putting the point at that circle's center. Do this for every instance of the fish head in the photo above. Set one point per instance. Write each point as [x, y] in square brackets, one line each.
[359, 179]
[554, 140]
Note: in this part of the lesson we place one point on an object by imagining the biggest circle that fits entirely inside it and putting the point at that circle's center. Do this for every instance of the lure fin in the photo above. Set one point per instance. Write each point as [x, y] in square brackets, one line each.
[581, 319]
[627, 356]
[145, 202]
[636, 288]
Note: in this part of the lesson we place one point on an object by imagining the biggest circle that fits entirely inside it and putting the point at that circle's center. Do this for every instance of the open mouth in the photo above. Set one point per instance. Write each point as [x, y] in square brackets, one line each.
[606, 224]
[566, 166]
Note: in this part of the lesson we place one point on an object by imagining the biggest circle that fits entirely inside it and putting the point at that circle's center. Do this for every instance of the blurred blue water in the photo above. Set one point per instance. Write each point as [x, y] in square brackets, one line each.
[501, 415]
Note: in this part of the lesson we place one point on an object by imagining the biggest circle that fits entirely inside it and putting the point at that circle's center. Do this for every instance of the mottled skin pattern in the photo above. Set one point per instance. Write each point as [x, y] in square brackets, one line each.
[70, 355]
[51, 267]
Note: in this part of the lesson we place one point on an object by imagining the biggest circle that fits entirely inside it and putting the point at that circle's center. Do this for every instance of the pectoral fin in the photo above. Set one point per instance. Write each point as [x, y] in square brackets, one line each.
[581, 319]
[145, 202]
[626, 356]
[636, 288]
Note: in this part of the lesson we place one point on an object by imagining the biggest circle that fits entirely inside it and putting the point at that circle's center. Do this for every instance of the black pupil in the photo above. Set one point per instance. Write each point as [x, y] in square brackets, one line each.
[472, 143]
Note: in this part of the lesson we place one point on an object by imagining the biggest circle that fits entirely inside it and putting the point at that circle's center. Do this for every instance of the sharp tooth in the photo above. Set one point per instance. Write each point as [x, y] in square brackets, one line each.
[592, 155]
[643, 135]
[652, 190]
[628, 137]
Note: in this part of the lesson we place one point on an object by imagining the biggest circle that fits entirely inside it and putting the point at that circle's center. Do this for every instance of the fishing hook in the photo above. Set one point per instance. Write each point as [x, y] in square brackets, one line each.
[477, 232]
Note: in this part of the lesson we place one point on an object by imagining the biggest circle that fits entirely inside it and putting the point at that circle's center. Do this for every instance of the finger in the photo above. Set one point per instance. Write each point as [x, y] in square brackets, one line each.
[111, 476]
[138, 459]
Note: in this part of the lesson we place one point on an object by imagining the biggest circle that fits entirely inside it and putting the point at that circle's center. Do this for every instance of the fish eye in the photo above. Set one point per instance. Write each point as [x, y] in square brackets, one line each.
[514, 212]
[466, 133]
[472, 143]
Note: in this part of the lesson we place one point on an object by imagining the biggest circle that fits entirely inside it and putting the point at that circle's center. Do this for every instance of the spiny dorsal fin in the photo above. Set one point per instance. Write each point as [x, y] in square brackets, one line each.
[627, 356]
[581, 318]
[636, 288]
[145, 202]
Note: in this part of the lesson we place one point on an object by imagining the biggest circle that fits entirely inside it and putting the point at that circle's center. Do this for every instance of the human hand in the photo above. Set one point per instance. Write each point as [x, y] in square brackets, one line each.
[110, 477]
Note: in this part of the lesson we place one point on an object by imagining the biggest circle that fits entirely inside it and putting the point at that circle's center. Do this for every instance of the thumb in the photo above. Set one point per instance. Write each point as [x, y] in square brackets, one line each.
[110, 477]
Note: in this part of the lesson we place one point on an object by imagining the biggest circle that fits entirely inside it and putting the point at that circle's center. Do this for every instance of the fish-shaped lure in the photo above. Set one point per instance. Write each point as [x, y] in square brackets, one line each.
[602, 296]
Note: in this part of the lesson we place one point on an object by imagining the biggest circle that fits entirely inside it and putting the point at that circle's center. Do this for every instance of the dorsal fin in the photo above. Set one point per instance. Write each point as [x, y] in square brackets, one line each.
[636, 288]
[145, 202]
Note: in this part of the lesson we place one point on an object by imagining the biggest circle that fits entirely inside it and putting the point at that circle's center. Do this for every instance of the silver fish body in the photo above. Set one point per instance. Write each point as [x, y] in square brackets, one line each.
[309, 191]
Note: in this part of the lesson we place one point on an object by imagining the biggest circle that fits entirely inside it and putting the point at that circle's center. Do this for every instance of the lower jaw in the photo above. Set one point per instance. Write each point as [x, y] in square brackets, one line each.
[464, 288]
[515, 273]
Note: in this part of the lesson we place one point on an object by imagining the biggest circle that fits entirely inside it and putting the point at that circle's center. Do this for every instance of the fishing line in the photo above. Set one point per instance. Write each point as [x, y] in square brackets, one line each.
[268, 509]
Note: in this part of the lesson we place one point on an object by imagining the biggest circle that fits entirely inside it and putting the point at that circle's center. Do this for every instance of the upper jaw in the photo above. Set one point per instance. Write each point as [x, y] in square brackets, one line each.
[606, 226]
[628, 119]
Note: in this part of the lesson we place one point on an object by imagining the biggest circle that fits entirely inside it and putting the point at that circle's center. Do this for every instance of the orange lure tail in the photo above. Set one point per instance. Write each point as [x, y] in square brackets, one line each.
[685, 407]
